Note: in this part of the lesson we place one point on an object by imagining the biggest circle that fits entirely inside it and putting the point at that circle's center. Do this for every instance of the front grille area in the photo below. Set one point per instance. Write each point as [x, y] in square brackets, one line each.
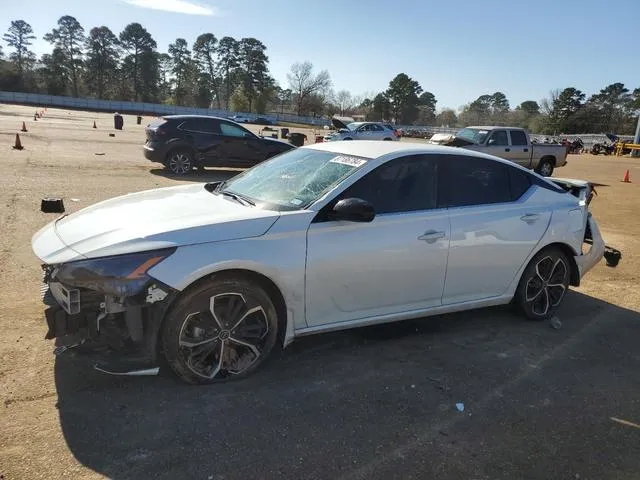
[46, 296]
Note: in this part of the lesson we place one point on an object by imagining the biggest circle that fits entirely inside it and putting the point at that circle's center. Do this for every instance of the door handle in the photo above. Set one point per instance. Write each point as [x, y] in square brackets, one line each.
[530, 217]
[507, 149]
[431, 236]
[525, 149]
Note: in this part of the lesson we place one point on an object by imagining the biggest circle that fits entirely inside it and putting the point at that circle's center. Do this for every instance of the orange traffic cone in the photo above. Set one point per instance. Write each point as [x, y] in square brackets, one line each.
[18, 144]
[626, 177]
[94, 124]
[24, 127]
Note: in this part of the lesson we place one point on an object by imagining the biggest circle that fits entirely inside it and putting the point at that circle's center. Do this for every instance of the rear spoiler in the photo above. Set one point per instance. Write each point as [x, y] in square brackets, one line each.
[581, 189]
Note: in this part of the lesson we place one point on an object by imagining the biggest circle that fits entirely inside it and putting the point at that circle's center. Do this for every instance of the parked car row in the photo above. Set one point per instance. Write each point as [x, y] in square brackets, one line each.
[255, 121]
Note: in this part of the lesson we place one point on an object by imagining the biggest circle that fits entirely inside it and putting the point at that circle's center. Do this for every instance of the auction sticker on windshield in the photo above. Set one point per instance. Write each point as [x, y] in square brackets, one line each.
[351, 161]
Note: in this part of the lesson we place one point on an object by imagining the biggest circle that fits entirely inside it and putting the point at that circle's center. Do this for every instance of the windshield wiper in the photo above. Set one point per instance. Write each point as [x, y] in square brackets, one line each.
[238, 198]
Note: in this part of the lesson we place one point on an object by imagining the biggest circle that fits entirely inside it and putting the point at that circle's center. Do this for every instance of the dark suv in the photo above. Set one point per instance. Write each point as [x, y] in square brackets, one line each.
[182, 142]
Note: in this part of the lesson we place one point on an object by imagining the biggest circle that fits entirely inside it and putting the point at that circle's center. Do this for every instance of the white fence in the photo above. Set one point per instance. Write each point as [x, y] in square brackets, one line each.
[159, 109]
[140, 108]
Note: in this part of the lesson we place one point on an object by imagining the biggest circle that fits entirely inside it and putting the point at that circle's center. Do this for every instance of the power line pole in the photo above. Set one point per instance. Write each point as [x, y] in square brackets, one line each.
[636, 139]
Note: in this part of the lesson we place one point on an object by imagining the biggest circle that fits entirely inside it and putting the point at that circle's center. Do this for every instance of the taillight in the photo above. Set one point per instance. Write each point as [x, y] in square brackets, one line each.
[160, 131]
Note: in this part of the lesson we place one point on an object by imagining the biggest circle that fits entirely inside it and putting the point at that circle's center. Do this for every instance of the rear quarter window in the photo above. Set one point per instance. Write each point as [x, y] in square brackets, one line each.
[520, 182]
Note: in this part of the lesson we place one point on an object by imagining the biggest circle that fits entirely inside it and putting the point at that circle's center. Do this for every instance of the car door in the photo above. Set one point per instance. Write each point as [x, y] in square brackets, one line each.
[242, 147]
[378, 132]
[498, 144]
[201, 134]
[393, 264]
[364, 132]
[495, 224]
[520, 151]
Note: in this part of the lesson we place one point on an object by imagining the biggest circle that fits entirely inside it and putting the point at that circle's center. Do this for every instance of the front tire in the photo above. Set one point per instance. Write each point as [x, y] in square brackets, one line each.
[543, 284]
[223, 329]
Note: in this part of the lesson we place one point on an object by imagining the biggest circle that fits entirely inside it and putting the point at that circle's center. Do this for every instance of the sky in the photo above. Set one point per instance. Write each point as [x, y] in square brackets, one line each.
[458, 50]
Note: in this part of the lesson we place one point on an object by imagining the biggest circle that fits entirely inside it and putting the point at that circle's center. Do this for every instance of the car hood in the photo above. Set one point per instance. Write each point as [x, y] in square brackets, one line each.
[339, 124]
[158, 218]
[449, 140]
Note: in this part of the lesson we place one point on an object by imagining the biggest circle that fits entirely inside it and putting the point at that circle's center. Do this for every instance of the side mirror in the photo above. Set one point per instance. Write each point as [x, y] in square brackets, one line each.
[353, 210]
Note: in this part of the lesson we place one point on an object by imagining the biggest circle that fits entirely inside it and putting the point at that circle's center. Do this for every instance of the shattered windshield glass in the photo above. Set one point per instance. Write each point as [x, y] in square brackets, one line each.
[295, 179]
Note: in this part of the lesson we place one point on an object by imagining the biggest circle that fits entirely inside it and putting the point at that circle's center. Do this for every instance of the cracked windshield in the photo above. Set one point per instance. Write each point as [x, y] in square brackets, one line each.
[295, 179]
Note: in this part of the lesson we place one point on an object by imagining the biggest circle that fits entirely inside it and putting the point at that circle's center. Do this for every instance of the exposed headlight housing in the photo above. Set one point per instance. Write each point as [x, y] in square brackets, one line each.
[118, 275]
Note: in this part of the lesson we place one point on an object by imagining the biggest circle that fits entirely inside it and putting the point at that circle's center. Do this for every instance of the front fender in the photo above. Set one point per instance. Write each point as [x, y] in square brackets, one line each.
[281, 260]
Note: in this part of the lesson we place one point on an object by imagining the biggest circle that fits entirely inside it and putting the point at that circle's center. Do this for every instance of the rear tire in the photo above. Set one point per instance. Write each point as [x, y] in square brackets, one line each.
[222, 329]
[179, 161]
[545, 168]
[387, 139]
[543, 284]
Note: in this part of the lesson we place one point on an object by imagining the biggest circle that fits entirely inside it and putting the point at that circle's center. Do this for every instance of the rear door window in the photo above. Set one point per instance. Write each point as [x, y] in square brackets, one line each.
[200, 125]
[518, 138]
[468, 181]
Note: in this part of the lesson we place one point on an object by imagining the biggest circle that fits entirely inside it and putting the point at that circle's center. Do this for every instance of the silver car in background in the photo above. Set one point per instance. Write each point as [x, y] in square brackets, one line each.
[362, 131]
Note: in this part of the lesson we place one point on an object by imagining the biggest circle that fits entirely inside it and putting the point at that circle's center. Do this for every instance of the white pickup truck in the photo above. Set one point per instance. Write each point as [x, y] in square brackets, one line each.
[510, 143]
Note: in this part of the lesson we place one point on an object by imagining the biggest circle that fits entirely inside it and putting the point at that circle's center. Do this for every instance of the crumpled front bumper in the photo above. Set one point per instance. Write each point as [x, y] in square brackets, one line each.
[590, 259]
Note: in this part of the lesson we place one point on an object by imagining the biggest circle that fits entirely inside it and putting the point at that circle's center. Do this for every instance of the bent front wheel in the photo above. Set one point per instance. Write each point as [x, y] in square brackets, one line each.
[223, 329]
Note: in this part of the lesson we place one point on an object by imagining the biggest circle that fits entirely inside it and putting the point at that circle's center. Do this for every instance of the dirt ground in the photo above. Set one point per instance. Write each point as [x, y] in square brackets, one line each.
[60, 419]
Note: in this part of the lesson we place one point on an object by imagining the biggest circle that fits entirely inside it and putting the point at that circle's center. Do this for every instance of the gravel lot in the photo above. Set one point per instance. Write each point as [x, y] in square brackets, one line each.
[375, 402]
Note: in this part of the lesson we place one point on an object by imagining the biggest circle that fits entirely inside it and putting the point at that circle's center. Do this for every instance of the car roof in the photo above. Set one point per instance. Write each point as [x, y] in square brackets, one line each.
[378, 148]
[184, 117]
[493, 127]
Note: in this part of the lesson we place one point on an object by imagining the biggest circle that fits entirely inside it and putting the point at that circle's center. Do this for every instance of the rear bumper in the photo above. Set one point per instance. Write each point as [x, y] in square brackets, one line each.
[153, 154]
[590, 259]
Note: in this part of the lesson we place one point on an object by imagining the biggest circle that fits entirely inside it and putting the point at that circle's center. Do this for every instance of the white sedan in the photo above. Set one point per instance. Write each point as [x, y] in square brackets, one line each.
[214, 277]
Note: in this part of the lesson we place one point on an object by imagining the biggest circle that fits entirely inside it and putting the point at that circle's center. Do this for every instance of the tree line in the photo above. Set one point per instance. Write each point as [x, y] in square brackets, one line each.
[218, 73]
[612, 110]
[233, 74]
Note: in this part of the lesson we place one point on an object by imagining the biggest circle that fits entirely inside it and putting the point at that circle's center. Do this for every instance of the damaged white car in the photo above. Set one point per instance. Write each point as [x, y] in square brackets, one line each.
[214, 277]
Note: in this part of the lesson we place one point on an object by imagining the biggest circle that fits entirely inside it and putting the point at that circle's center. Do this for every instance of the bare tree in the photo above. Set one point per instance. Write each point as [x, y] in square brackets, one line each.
[344, 101]
[304, 83]
[546, 104]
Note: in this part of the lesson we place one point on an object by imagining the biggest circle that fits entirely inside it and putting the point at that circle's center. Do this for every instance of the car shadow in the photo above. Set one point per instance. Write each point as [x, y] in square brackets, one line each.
[206, 175]
[332, 402]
